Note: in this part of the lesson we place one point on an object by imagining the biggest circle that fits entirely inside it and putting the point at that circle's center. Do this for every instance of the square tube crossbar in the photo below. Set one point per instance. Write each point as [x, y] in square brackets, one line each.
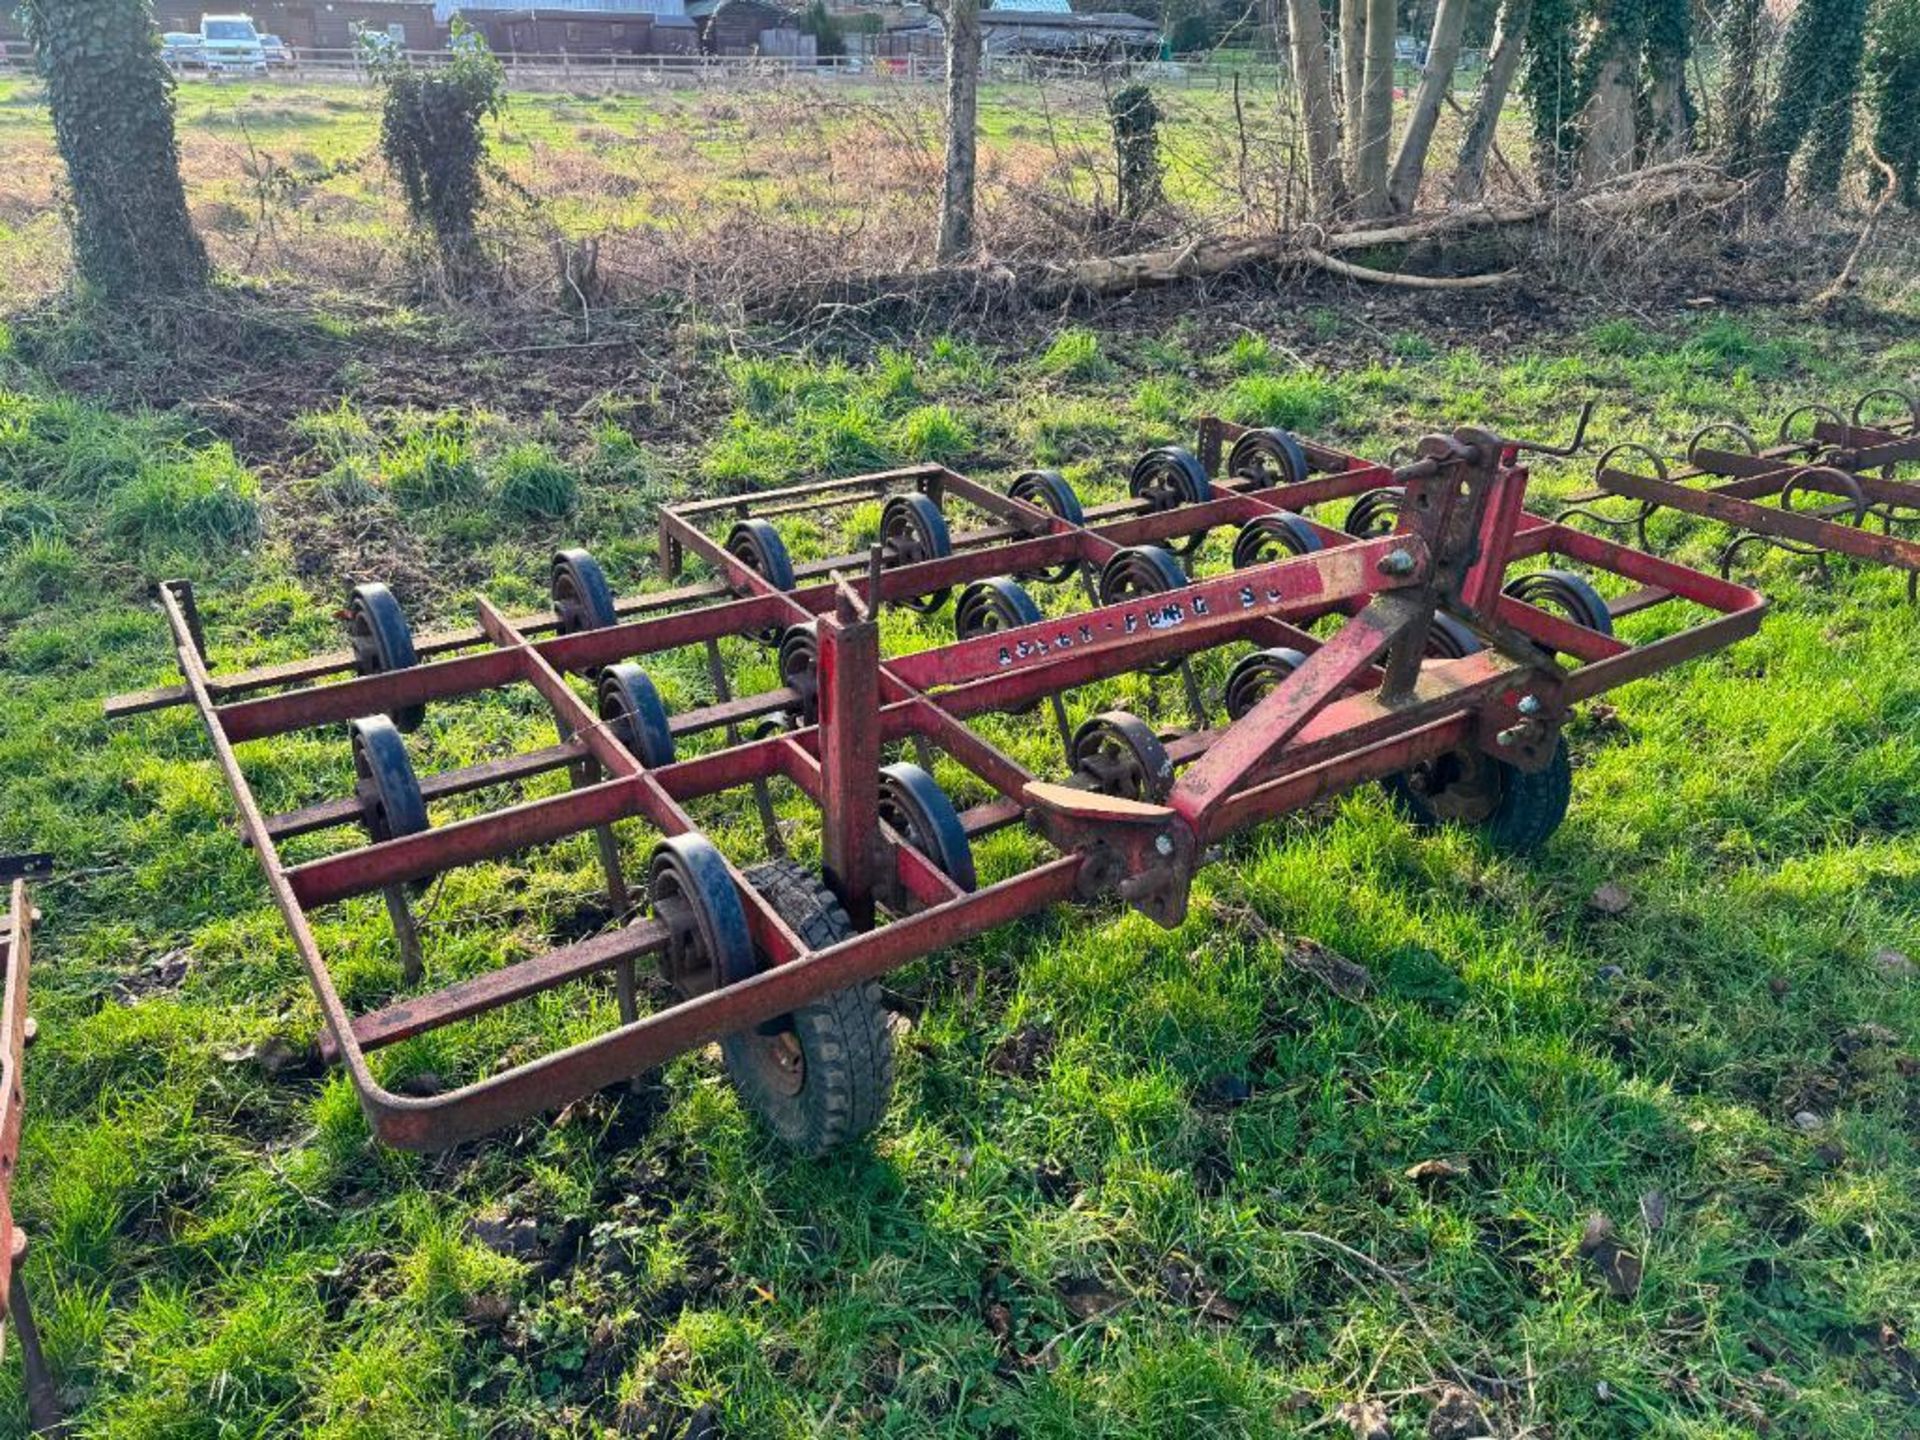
[1363, 705]
[16, 1033]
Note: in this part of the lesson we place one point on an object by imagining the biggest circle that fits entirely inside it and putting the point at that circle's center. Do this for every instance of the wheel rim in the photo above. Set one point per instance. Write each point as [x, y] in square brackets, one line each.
[382, 642]
[1268, 457]
[1375, 513]
[630, 704]
[693, 895]
[1462, 787]
[1168, 478]
[912, 531]
[1268, 538]
[1257, 676]
[1142, 570]
[391, 805]
[582, 599]
[919, 810]
[1122, 757]
[800, 667]
[1048, 490]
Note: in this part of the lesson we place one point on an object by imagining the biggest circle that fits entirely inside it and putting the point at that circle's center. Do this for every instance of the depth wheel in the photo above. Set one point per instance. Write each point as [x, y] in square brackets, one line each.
[634, 712]
[822, 1075]
[1256, 676]
[1449, 639]
[758, 546]
[708, 944]
[992, 605]
[382, 641]
[920, 812]
[1513, 809]
[1267, 538]
[799, 663]
[582, 599]
[1268, 457]
[389, 793]
[1048, 490]
[1121, 756]
[1375, 513]
[913, 530]
[1566, 593]
[1168, 478]
[1142, 570]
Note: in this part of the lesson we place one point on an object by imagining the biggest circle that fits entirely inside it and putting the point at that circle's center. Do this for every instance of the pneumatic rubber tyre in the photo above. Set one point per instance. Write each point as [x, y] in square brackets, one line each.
[1514, 810]
[823, 1075]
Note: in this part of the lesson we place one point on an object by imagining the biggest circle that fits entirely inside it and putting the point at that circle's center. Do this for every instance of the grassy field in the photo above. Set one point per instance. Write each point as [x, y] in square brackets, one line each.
[1133, 1183]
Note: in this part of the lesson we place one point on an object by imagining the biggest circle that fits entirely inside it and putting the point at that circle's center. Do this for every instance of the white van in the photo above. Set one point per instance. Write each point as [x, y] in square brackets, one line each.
[230, 45]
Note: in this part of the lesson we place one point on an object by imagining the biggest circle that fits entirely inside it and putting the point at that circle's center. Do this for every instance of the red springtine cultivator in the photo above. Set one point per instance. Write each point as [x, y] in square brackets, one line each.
[1822, 484]
[1438, 671]
[16, 1033]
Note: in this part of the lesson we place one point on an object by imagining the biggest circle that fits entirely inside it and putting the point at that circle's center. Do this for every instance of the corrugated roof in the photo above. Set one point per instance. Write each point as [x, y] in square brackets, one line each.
[1037, 7]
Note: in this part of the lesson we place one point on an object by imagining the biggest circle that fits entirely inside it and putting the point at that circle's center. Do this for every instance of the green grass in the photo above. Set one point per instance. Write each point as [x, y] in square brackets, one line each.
[1128, 1172]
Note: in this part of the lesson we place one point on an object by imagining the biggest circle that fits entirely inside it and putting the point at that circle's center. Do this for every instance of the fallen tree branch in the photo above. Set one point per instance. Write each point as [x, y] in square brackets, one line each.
[1411, 282]
[1844, 280]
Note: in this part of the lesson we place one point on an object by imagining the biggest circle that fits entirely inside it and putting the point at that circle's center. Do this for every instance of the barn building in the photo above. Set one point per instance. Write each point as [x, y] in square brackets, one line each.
[579, 27]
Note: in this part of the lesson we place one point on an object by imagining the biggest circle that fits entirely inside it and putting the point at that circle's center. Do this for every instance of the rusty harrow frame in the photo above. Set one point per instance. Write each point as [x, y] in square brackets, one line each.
[1445, 677]
[16, 1034]
[1821, 485]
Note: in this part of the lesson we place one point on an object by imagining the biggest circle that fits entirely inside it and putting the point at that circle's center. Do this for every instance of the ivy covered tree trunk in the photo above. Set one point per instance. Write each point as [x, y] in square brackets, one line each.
[1821, 59]
[1552, 88]
[1470, 173]
[1893, 71]
[112, 102]
[1742, 89]
[1670, 108]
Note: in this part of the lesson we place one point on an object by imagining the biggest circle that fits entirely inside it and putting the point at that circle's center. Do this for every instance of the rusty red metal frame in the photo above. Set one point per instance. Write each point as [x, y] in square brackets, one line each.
[1828, 471]
[1363, 706]
[16, 1033]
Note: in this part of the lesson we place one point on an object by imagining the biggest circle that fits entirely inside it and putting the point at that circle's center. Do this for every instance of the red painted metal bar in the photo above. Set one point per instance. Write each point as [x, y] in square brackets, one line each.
[850, 758]
[13, 1049]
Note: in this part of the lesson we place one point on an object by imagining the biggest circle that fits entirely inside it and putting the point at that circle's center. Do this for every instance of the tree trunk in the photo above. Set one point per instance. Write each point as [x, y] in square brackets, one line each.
[1353, 65]
[1607, 125]
[1742, 89]
[1376, 113]
[1470, 175]
[112, 102]
[1671, 135]
[1307, 38]
[962, 19]
[1436, 79]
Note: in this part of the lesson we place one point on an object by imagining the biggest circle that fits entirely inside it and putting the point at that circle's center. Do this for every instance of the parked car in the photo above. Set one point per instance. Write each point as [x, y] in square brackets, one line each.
[181, 51]
[231, 46]
[278, 56]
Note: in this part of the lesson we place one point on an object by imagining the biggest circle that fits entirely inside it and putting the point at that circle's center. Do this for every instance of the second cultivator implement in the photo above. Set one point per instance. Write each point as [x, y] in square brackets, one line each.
[1419, 641]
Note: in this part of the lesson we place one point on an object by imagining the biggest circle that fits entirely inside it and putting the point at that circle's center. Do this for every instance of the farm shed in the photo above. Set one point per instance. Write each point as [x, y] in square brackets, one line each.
[318, 24]
[1032, 31]
[748, 27]
[578, 27]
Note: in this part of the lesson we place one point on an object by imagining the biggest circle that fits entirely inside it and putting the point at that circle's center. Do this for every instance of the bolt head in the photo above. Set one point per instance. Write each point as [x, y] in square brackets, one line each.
[1529, 705]
[1163, 845]
[1396, 562]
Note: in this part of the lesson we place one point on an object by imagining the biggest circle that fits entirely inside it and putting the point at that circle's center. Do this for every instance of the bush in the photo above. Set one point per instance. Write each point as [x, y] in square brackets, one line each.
[533, 484]
[430, 133]
[207, 500]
